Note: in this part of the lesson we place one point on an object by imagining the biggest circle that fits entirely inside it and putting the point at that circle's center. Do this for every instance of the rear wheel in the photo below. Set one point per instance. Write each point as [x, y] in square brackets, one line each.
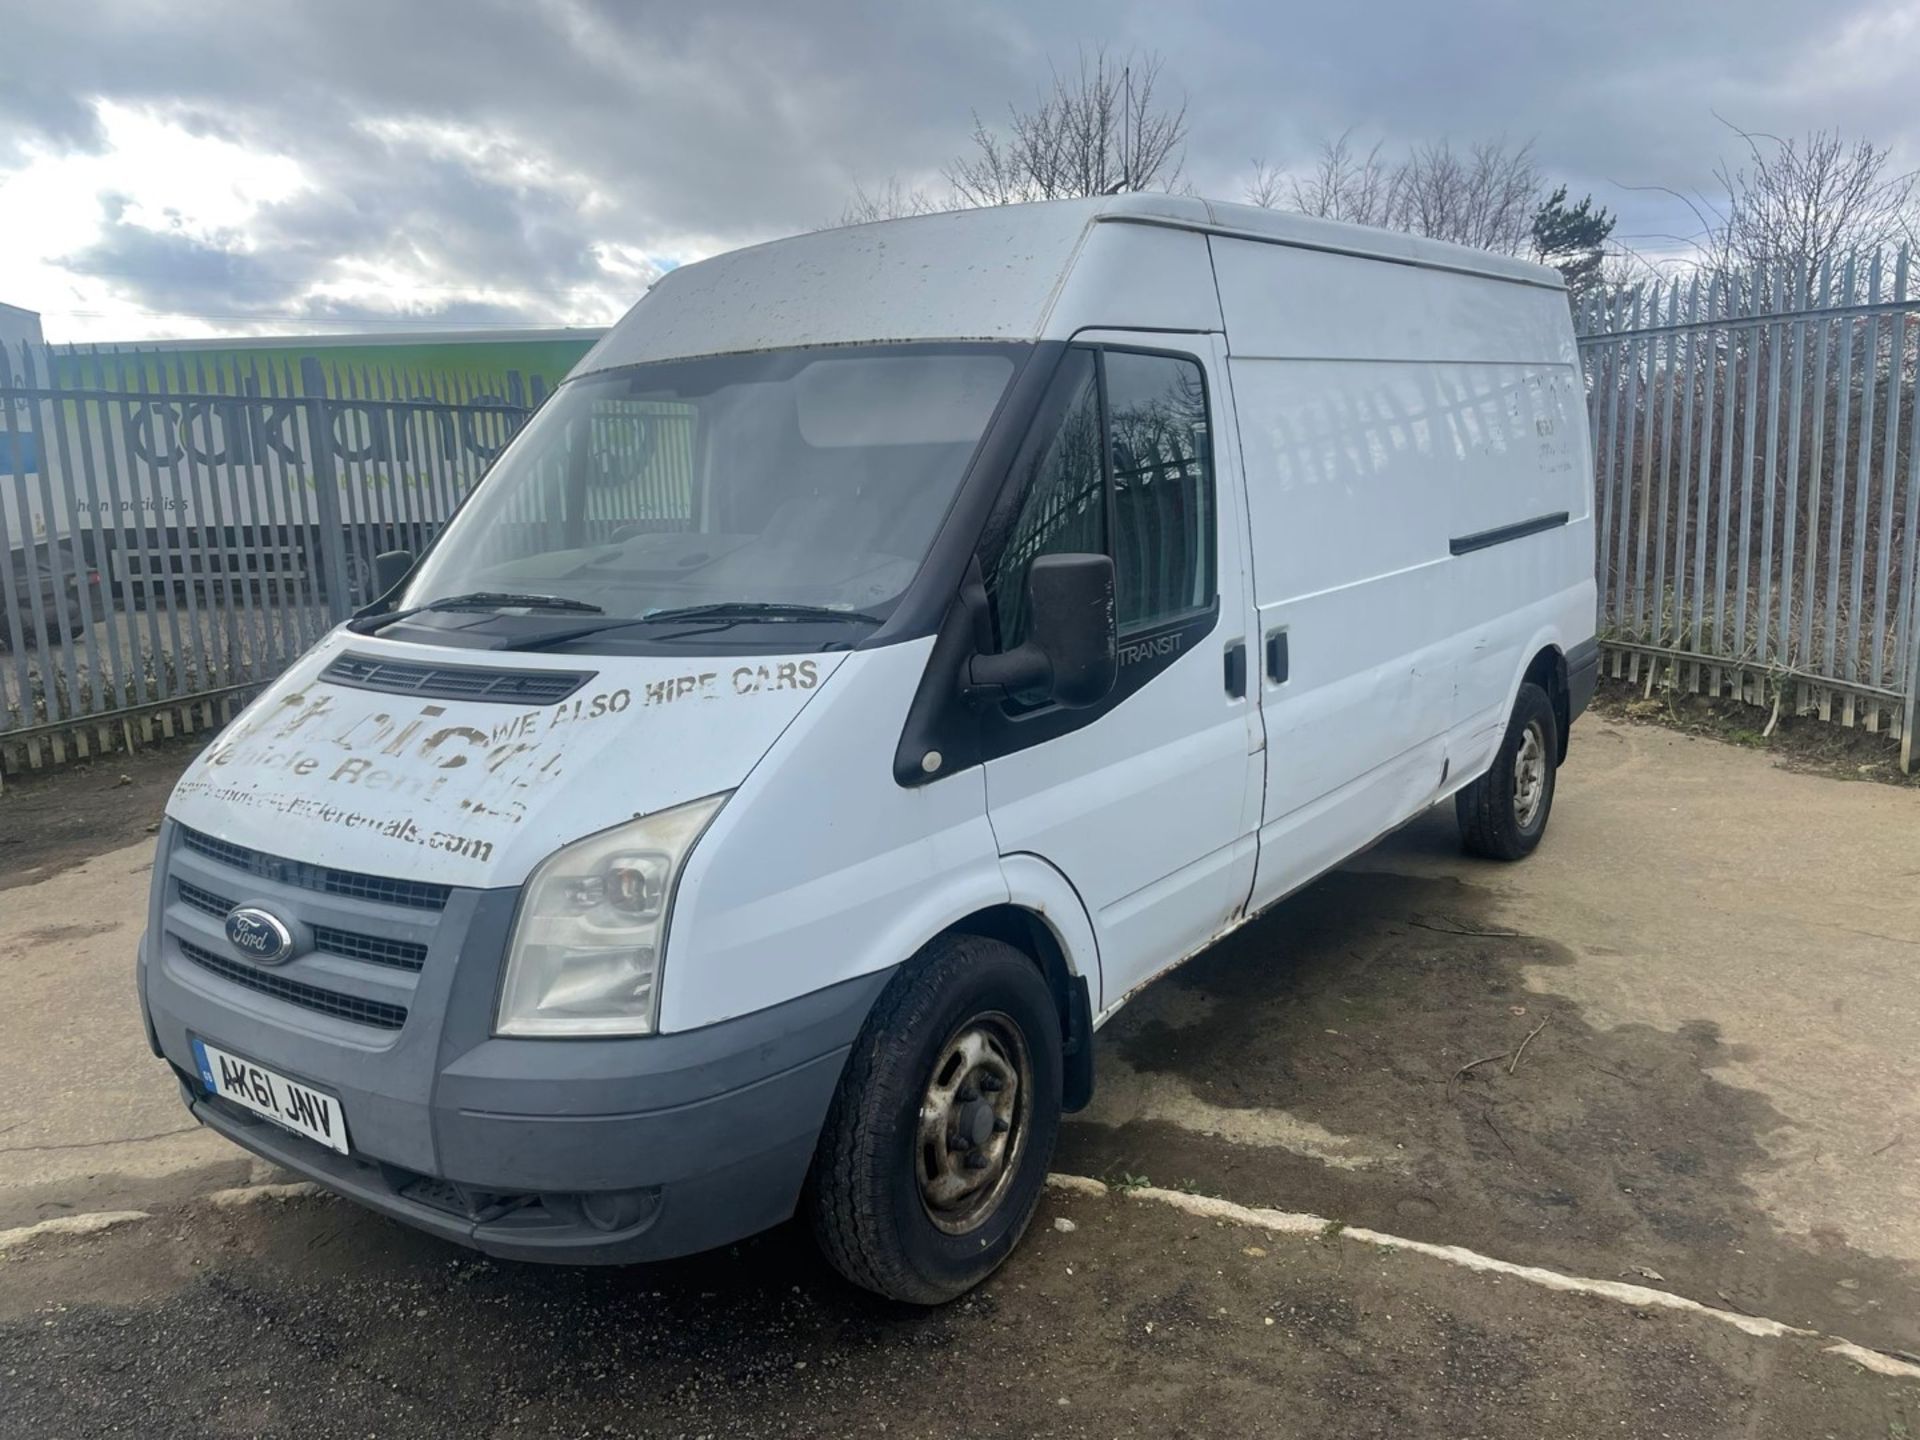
[931, 1161]
[1504, 813]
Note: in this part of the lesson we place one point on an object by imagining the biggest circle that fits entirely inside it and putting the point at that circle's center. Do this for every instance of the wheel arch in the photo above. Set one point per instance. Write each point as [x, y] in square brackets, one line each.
[1548, 669]
[1546, 666]
[1044, 919]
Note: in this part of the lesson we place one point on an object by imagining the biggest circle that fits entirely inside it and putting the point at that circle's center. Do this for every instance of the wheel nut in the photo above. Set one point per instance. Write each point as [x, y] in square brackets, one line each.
[977, 1160]
[991, 1084]
[1000, 1125]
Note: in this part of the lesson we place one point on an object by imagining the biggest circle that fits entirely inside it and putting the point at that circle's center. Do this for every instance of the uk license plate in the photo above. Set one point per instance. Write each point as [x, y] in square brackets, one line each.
[299, 1108]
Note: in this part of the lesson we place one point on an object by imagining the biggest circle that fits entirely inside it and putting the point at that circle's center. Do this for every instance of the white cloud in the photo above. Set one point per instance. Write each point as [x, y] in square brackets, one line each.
[258, 167]
[152, 172]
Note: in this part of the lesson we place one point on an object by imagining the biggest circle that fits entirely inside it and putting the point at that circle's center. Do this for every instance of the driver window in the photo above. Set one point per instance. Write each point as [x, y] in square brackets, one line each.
[1162, 489]
[1140, 489]
[1065, 505]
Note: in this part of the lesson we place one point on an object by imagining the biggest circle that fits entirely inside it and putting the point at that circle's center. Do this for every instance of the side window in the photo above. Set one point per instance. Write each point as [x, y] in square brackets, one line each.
[1131, 477]
[1164, 529]
[1065, 506]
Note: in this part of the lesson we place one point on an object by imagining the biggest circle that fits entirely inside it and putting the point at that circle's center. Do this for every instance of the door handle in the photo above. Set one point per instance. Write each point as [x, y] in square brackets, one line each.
[1236, 670]
[1277, 656]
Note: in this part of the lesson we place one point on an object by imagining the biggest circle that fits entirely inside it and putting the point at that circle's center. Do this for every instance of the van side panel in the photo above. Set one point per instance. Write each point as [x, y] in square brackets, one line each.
[1386, 412]
[1281, 300]
[1515, 600]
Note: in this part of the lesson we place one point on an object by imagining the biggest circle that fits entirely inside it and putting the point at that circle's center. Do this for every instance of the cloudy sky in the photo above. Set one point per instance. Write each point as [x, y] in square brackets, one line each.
[260, 167]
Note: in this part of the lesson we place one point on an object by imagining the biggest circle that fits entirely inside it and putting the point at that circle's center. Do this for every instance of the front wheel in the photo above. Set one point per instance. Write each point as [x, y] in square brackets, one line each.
[1504, 813]
[934, 1151]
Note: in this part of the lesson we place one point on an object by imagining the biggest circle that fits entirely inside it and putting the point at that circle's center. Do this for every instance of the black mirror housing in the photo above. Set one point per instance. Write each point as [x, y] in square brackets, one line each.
[390, 567]
[1070, 649]
[1071, 619]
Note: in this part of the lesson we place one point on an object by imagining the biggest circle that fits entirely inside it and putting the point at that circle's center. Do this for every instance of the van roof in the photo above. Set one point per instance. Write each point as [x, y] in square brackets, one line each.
[984, 274]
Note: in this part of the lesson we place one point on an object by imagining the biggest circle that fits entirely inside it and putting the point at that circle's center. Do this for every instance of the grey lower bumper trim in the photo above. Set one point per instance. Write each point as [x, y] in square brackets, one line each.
[715, 1208]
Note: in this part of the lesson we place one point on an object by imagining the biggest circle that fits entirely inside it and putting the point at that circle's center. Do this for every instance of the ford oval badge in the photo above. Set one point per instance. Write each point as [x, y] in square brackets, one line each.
[259, 935]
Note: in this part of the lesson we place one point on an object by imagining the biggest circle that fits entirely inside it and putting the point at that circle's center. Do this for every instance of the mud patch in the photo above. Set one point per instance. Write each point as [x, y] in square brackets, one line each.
[1357, 1009]
[1799, 742]
[54, 934]
[53, 820]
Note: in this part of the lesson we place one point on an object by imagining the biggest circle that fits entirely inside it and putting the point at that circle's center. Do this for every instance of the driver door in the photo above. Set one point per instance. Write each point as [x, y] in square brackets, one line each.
[1148, 802]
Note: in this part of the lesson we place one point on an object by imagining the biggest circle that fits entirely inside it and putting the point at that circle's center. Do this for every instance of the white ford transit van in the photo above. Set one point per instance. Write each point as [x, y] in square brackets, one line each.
[890, 649]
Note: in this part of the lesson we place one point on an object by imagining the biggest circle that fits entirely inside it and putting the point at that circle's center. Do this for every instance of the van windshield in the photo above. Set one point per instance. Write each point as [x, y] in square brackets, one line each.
[798, 484]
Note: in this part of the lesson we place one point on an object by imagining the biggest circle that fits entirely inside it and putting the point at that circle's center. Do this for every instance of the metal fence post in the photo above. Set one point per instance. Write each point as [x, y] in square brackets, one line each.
[326, 487]
[13, 482]
[1913, 691]
[1911, 679]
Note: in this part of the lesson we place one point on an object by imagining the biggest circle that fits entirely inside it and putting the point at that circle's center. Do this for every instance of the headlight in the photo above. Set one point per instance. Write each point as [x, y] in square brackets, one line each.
[585, 956]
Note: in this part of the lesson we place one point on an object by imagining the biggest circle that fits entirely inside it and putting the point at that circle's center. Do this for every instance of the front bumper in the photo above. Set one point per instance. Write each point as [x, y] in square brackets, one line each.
[569, 1151]
[576, 1183]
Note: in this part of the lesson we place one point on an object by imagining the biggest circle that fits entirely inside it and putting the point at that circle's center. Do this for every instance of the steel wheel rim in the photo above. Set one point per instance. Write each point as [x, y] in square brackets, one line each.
[1530, 776]
[973, 1122]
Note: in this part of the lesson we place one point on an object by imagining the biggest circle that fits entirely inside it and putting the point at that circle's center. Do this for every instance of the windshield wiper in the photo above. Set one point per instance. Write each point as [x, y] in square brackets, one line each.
[477, 600]
[759, 610]
[721, 615]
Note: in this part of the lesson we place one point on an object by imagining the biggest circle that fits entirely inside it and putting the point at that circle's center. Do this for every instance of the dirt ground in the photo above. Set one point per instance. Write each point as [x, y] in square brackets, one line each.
[1673, 1049]
[51, 820]
[1799, 742]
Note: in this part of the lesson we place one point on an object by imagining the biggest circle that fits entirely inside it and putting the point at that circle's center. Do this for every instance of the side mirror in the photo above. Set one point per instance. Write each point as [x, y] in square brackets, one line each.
[390, 567]
[1070, 648]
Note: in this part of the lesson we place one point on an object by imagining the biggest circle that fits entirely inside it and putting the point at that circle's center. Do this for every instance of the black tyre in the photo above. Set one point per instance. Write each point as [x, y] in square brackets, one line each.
[938, 1140]
[1504, 813]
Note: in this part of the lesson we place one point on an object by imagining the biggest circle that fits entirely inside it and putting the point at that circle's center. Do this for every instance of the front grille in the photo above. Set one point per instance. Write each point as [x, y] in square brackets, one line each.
[413, 894]
[205, 901]
[374, 949]
[455, 682]
[376, 1013]
[328, 939]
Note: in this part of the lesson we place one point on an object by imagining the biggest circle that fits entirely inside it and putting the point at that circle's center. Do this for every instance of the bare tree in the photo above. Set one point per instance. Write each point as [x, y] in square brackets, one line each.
[1805, 203]
[1104, 128]
[891, 201]
[1486, 196]
[1344, 185]
[1267, 187]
